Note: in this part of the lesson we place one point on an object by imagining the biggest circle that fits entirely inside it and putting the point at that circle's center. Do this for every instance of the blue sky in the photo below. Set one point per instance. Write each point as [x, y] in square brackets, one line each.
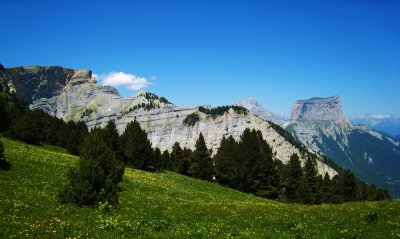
[217, 52]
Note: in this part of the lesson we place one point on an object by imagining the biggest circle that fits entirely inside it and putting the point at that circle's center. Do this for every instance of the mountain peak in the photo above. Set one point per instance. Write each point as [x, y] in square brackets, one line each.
[255, 108]
[317, 108]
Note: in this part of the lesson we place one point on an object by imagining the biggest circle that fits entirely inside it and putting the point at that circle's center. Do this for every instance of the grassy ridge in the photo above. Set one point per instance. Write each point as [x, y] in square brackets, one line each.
[168, 205]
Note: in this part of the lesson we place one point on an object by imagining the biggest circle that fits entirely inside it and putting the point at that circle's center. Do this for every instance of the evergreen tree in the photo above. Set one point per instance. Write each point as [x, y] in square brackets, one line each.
[265, 178]
[311, 177]
[4, 165]
[135, 146]
[156, 159]
[304, 193]
[201, 166]
[327, 189]
[226, 163]
[294, 173]
[112, 136]
[165, 160]
[176, 157]
[346, 186]
[97, 175]
[250, 154]
[184, 163]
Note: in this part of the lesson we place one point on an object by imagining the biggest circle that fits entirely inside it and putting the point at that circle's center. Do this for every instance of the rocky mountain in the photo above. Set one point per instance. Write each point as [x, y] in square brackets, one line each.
[256, 109]
[319, 124]
[77, 96]
[384, 123]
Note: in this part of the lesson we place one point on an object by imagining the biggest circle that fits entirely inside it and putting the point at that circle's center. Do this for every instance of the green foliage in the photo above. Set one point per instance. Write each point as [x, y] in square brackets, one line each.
[221, 110]
[87, 112]
[77, 133]
[168, 205]
[191, 119]
[294, 174]
[4, 165]
[227, 161]
[201, 166]
[156, 160]
[165, 160]
[97, 175]
[136, 148]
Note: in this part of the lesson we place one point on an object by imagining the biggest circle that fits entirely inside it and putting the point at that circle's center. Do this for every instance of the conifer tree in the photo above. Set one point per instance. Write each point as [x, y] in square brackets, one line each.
[294, 173]
[165, 160]
[97, 175]
[311, 177]
[265, 178]
[135, 146]
[201, 166]
[185, 161]
[176, 157]
[303, 192]
[226, 163]
[112, 136]
[4, 165]
[327, 189]
[250, 154]
[156, 159]
[346, 186]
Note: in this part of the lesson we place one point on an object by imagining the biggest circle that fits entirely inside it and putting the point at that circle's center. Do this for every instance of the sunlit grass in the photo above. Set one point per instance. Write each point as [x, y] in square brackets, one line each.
[168, 205]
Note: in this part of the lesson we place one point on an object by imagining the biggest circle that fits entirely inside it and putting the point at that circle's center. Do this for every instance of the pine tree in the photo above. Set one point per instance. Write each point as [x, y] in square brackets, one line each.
[176, 157]
[112, 136]
[265, 178]
[156, 158]
[311, 177]
[346, 186]
[294, 173]
[250, 154]
[327, 189]
[4, 165]
[184, 162]
[97, 175]
[201, 166]
[303, 192]
[165, 160]
[226, 163]
[135, 146]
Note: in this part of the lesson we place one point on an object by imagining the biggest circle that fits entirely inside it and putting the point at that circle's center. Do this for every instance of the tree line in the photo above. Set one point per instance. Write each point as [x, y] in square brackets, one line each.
[248, 165]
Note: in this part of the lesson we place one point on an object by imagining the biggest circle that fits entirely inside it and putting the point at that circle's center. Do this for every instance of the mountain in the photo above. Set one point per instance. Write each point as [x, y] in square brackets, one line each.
[385, 123]
[319, 124]
[77, 96]
[256, 109]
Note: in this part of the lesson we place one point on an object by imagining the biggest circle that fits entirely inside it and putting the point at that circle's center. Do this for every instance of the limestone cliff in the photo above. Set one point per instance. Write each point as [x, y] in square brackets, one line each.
[318, 109]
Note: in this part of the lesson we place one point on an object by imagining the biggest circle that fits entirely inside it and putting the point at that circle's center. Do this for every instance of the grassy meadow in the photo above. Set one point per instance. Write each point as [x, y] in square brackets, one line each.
[168, 205]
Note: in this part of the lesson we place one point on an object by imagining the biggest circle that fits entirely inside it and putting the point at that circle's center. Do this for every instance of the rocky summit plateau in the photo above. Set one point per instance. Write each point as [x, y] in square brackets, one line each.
[76, 95]
[319, 123]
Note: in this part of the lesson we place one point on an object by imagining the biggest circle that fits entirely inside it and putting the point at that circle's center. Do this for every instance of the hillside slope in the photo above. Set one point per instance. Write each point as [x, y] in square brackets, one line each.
[168, 205]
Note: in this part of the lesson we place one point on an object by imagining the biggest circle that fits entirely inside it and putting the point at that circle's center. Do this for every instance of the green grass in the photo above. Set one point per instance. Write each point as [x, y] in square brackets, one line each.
[168, 205]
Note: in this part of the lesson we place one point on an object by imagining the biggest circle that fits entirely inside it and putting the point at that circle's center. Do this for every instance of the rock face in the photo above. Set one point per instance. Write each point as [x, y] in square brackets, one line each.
[34, 82]
[256, 109]
[318, 109]
[373, 157]
[80, 98]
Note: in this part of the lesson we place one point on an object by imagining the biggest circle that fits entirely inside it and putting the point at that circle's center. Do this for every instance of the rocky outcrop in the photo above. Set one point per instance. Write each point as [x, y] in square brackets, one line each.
[318, 109]
[256, 109]
[320, 125]
[35, 82]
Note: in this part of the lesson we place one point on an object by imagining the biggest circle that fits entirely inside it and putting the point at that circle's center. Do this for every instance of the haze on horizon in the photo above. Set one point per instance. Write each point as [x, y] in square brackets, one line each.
[208, 52]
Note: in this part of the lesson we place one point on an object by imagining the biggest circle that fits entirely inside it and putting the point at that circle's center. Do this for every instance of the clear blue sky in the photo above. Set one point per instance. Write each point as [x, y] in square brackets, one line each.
[217, 52]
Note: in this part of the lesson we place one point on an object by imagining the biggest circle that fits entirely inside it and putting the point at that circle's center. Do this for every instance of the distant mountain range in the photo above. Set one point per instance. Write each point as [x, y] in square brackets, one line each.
[384, 123]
